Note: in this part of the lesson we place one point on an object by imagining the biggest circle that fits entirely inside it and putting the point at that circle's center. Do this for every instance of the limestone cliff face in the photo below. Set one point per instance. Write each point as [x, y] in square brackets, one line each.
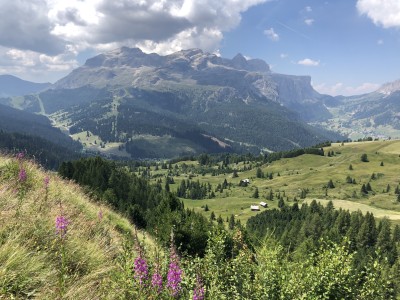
[130, 67]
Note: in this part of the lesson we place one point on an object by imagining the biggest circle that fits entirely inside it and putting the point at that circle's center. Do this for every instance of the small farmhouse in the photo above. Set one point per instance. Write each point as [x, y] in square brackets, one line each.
[254, 207]
[263, 204]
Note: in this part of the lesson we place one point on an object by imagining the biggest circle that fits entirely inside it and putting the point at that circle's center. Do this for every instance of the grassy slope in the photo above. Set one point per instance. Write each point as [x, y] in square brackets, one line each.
[30, 248]
[313, 172]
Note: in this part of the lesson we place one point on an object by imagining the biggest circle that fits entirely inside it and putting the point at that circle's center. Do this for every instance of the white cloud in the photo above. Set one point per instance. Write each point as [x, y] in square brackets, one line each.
[363, 88]
[380, 42]
[384, 13]
[308, 62]
[271, 34]
[283, 55]
[60, 29]
[309, 22]
[308, 9]
[31, 65]
[341, 89]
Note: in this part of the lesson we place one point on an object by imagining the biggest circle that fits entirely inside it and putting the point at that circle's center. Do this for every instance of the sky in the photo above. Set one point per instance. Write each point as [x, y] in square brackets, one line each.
[348, 47]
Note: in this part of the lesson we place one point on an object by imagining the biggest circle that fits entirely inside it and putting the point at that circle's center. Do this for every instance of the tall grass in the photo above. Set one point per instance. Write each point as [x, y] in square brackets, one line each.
[30, 248]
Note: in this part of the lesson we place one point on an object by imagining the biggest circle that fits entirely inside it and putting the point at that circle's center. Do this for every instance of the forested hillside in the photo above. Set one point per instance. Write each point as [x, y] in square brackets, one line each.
[46, 153]
[15, 120]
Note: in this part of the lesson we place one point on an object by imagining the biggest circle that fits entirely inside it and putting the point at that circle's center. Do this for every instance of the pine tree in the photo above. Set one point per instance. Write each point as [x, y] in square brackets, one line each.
[167, 186]
[256, 193]
[212, 216]
[364, 189]
[259, 173]
[384, 242]
[231, 222]
[220, 221]
[330, 184]
[281, 203]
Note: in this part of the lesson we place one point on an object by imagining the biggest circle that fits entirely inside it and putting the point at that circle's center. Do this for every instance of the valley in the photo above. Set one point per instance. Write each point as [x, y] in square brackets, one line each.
[291, 176]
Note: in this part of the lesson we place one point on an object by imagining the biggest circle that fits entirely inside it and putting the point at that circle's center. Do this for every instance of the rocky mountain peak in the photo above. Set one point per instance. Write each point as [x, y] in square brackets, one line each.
[252, 65]
[389, 88]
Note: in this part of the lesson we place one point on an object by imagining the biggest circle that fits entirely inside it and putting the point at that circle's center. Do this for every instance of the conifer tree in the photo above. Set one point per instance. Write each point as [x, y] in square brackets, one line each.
[256, 194]
[212, 216]
[232, 222]
[330, 184]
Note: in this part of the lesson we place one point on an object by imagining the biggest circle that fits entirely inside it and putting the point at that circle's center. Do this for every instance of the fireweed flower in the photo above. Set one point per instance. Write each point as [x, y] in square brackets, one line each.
[100, 214]
[46, 182]
[198, 293]
[20, 155]
[61, 225]
[156, 279]
[22, 175]
[141, 270]
[174, 276]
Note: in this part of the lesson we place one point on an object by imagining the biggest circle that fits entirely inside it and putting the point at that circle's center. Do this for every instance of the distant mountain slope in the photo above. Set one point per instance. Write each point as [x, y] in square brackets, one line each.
[375, 114]
[184, 103]
[14, 120]
[46, 153]
[133, 68]
[14, 86]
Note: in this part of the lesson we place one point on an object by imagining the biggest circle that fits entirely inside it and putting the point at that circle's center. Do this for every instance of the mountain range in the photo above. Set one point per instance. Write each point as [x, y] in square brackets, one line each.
[375, 114]
[151, 106]
[14, 86]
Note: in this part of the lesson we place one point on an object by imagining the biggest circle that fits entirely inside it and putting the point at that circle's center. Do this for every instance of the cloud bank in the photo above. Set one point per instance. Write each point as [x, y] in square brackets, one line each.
[44, 33]
[384, 13]
[308, 62]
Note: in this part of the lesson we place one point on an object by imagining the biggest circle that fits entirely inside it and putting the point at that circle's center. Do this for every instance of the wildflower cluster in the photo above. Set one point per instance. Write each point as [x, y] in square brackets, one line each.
[156, 279]
[61, 225]
[141, 270]
[46, 182]
[22, 183]
[22, 175]
[199, 292]
[174, 276]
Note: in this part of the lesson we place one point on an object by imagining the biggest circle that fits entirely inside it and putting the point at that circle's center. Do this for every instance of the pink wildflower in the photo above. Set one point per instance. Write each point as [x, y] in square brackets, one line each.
[141, 270]
[46, 182]
[156, 279]
[198, 293]
[61, 225]
[22, 175]
[174, 276]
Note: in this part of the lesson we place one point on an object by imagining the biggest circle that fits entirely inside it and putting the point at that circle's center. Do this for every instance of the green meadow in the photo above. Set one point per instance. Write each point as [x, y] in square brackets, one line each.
[310, 173]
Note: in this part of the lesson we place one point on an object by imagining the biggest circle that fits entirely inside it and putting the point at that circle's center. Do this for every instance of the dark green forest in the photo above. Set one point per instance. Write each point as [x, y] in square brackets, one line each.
[46, 153]
[150, 207]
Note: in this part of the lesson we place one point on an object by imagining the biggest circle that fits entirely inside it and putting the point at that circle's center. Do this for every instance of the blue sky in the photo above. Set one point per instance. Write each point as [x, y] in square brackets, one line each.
[347, 46]
[347, 53]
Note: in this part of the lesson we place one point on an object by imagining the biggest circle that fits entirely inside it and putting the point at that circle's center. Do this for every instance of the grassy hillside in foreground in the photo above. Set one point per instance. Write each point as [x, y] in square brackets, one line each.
[309, 173]
[31, 250]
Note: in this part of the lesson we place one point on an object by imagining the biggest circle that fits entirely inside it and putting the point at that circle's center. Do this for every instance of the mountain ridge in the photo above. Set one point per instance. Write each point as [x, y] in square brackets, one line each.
[13, 86]
[188, 99]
